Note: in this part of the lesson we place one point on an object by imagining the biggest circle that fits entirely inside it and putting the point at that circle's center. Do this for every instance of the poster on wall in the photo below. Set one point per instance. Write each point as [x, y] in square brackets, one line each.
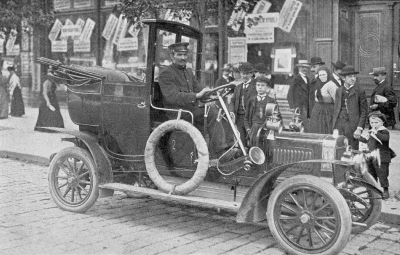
[11, 40]
[129, 43]
[288, 14]
[121, 29]
[62, 4]
[81, 46]
[59, 46]
[87, 30]
[237, 50]
[14, 51]
[262, 7]
[83, 3]
[55, 30]
[80, 22]
[263, 35]
[237, 17]
[283, 59]
[263, 20]
[111, 23]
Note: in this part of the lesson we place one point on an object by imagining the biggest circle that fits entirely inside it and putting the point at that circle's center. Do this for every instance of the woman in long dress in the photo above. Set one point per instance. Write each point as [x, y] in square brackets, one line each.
[17, 104]
[321, 121]
[3, 97]
[49, 110]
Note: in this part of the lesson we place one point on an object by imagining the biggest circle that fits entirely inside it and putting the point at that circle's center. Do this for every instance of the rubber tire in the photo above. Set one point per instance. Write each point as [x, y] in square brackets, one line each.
[376, 203]
[84, 156]
[202, 150]
[329, 191]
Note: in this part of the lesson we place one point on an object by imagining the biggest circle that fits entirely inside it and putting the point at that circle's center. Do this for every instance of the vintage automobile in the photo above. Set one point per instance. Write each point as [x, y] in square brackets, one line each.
[310, 188]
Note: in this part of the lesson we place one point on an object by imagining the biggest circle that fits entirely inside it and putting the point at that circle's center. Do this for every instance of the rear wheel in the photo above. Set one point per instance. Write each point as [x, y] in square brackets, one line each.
[307, 215]
[73, 182]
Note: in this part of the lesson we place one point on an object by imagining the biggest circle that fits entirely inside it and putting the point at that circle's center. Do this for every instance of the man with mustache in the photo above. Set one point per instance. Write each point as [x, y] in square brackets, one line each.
[181, 90]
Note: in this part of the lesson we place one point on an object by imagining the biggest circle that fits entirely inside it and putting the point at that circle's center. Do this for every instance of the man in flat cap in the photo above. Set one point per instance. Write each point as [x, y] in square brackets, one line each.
[316, 63]
[245, 89]
[336, 73]
[181, 90]
[298, 94]
[350, 108]
[383, 98]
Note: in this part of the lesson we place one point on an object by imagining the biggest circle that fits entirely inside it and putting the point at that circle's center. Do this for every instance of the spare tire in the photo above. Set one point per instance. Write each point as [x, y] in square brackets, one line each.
[202, 154]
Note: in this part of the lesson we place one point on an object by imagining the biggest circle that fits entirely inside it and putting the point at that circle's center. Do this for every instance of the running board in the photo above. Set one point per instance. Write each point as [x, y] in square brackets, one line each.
[187, 199]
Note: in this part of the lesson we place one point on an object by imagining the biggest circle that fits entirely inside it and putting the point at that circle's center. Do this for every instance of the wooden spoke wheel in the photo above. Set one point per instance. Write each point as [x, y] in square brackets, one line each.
[73, 182]
[307, 215]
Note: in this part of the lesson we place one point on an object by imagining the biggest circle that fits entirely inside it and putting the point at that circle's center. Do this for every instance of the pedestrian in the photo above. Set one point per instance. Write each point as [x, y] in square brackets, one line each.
[377, 140]
[383, 98]
[262, 70]
[316, 63]
[49, 109]
[3, 97]
[350, 108]
[298, 91]
[321, 121]
[17, 104]
[243, 92]
[181, 90]
[336, 74]
[225, 78]
[255, 109]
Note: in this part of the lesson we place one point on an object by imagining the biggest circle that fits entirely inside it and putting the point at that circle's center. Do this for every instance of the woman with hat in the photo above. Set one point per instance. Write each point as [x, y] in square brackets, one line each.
[350, 108]
[378, 140]
[17, 104]
[322, 113]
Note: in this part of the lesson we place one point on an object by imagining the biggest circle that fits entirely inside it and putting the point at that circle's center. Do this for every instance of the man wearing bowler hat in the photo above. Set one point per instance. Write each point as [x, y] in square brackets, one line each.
[298, 91]
[316, 63]
[383, 98]
[337, 70]
[245, 89]
[181, 90]
[351, 108]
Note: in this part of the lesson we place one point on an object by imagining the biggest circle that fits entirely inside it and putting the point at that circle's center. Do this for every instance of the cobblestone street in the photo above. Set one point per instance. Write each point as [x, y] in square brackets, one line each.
[30, 223]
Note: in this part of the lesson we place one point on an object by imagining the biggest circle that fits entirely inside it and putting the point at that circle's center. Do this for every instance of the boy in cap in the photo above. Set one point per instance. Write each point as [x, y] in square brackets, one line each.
[255, 109]
[378, 139]
[181, 90]
[383, 98]
[245, 89]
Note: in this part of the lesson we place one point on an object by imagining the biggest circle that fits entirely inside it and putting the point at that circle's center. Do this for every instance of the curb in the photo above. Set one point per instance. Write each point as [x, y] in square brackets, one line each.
[25, 157]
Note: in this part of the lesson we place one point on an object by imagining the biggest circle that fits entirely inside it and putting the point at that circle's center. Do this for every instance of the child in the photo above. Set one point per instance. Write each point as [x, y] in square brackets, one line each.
[378, 138]
[255, 110]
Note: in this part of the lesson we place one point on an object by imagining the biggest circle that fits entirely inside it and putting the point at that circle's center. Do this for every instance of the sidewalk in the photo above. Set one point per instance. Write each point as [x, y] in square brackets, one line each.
[19, 140]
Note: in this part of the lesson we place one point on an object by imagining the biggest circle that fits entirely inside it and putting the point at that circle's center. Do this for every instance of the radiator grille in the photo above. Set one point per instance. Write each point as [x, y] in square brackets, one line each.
[283, 155]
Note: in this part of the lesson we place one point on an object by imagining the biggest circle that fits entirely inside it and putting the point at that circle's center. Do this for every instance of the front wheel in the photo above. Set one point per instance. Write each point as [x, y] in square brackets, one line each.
[73, 181]
[307, 215]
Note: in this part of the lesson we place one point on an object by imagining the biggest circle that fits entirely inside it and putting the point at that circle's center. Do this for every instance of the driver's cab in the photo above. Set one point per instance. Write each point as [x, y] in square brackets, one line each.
[163, 33]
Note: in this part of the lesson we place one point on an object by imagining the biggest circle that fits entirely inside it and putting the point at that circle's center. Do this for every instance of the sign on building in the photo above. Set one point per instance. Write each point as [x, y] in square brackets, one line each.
[81, 46]
[129, 43]
[55, 30]
[59, 46]
[262, 35]
[288, 14]
[121, 29]
[109, 28]
[237, 50]
[87, 30]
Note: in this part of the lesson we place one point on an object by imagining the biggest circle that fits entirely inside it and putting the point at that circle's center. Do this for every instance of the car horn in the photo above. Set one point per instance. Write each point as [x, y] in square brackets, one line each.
[273, 123]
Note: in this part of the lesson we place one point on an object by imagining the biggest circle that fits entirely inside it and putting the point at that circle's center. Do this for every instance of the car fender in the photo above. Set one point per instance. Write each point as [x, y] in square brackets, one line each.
[254, 204]
[103, 164]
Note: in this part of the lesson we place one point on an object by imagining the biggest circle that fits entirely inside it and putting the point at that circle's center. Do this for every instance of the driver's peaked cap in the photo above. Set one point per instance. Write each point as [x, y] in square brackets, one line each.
[179, 47]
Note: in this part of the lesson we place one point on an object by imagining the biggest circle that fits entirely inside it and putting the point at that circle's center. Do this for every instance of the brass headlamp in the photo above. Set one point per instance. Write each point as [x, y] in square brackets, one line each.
[297, 124]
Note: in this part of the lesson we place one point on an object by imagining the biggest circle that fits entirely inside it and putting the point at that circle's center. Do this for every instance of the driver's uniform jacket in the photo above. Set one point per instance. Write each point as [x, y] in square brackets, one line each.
[179, 87]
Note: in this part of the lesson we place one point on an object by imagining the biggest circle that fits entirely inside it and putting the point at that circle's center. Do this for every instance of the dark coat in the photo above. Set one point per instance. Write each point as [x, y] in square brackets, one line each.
[222, 81]
[336, 82]
[298, 93]
[384, 150]
[357, 106]
[384, 89]
[234, 105]
[251, 110]
[312, 87]
[179, 87]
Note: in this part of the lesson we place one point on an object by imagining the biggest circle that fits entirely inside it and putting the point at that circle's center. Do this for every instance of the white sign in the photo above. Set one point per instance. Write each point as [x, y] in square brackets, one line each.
[237, 15]
[237, 50]
[82, 3]
[59, 46]
[134, 30]
[121, 29]
[62, 4]
[129, 43]
[108, 30]
[87, 30]
[1, 45]
[11, 41]
[15, 50]
[263, 20]
[263, 35]
[168, 39]
[288, 14]
[55, 30]
[262, 7]
[68, 22]
[81, 46]
[80, 22]
[71, 30]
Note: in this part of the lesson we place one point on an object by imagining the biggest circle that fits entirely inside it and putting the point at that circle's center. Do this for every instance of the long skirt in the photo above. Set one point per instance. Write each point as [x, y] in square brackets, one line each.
[3, 103]
[48, 118]
[321, 121]
[17, 104]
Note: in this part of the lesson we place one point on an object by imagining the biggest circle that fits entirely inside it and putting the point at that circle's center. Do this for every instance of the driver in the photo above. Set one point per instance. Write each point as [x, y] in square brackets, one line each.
[181, 90]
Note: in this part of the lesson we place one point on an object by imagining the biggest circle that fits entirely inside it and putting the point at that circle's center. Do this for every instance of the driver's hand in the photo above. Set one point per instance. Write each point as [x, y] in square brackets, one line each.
[202, 92]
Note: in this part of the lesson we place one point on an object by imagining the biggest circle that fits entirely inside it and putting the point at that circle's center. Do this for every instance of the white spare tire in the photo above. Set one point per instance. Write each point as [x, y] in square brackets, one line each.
[202, 155]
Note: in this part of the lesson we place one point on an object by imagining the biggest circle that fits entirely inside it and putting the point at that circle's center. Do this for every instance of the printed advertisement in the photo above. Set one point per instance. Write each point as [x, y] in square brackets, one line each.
[288, 14]
[263, 35]
[237, 50]
[121, 29]
[81, 46]
[59, 46]
[87, 30]
[70, 30]
[15, 50]
[110, 27]
[83, 3]
[263, 20]
[80, 22]
[262, 6]
[129, 43]
[237, 16]
[55, 30]
[62, 4]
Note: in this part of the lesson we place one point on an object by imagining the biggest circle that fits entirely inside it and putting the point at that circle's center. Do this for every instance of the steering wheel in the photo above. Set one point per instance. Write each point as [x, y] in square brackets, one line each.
[225, 90]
